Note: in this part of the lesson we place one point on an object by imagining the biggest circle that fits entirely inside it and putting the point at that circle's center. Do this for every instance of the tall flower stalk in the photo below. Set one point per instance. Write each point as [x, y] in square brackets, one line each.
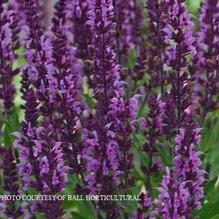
[178, 33]
[77, 13]
[66, 95]
[130, 43]
[9, 43]
[107, 139]
[207, 61]
[154, 128]
[42, 165]
[128, 18]
[10, 208]
[157, 11]
[7, 57]
[186, 178]
[181, 190]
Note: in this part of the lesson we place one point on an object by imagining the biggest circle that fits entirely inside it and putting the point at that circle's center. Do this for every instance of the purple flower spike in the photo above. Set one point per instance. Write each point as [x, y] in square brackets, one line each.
[187, 163]
[156, 52]
[178, 35]
[107, 140]
[181, 191]
[78, 15]
[174, 199]
[207, 59]
[154, 129]
[42, 167]
[66, 90]
[10, 209]
[7, 89]
[51, 88]
[128, 19]
[145, 210]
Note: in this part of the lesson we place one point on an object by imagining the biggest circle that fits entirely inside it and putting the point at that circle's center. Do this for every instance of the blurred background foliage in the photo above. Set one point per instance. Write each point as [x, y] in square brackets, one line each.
[193, 6]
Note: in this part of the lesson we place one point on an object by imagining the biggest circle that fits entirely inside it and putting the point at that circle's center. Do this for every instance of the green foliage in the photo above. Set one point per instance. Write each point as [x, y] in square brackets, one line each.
[193, 6]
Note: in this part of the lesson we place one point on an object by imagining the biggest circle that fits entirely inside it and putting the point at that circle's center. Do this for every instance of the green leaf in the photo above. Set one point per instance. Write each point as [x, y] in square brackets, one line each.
[210, 186]
[209, 210]
[132, 59]
[215, 217]
[82, 208]
[165, 155]
[79, 216]
[89, 100]
[10, 125]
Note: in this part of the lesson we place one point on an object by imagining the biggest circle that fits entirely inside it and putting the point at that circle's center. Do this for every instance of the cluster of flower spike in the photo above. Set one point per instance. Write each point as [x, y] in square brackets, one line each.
[112, 123]
[81, 120]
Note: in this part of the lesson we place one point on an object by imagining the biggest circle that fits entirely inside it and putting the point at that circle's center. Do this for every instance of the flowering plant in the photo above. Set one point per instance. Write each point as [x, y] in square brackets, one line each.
[109, 109]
